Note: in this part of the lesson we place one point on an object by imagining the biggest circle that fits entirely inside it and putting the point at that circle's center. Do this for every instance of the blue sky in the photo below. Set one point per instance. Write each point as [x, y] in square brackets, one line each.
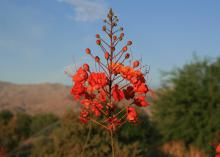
[40, 38]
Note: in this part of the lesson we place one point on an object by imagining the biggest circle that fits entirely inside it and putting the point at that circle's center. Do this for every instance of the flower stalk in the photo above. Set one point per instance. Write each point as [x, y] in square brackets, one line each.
[100, 92]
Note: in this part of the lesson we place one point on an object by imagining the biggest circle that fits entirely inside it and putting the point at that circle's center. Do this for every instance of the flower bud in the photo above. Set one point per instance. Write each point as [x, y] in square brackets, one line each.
[97, 36]
[125, 48]
[113, 49]
[127, 55]
[98, 42]
[136, 64]
[86, 67]
[97, 59]
[106, 55]
[104, 28]
[129, 42]
[115, 37]
[88, 51]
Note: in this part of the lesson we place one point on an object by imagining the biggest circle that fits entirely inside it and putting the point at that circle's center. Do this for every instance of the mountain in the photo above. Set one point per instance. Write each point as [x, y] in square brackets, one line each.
[36, 98]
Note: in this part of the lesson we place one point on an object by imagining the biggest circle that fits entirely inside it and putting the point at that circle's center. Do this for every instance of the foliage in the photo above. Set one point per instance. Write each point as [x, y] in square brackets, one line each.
[15, 128]
[41, 121]
[72, 138]
[188, 105]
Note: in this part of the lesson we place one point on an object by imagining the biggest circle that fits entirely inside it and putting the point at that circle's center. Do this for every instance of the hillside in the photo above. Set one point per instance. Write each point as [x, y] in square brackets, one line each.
[35, 98]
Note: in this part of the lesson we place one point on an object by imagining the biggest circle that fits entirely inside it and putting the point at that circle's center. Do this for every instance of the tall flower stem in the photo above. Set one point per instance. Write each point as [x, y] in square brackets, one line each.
[112, 144]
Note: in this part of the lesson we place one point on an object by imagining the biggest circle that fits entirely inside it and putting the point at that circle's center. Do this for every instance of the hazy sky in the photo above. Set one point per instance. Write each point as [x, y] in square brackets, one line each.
[40, 38]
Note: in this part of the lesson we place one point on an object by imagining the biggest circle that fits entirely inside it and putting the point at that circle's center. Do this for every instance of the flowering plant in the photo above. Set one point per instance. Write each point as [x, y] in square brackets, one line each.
[110, 95]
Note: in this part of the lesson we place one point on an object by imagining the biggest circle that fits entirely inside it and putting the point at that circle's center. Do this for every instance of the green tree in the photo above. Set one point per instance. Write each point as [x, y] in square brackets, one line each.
[187, 107]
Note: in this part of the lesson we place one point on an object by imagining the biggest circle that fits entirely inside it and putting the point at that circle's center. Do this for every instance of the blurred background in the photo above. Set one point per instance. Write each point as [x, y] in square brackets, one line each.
[39, 40]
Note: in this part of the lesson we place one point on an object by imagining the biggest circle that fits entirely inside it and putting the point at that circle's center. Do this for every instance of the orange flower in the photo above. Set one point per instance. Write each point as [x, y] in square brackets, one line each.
[117, 93]
[131, 114]
[97, 80]
[140, 101]
[80, 76]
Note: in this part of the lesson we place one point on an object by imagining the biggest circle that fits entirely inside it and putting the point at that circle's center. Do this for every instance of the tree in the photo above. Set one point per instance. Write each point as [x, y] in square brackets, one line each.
[187, 107]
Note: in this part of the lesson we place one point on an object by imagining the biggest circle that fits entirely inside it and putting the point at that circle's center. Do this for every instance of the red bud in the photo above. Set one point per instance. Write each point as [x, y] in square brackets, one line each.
[106, 55]
[136, 64]
[114, 37]
[88, 51]
[129, 42]
[86, 67]
[98, 42]
[104, 28]
[125, 48]
[127, 55]
[97, 59]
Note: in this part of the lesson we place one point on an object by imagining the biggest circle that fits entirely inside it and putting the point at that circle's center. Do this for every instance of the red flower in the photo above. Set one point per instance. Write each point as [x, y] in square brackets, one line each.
[117, 93]
[86, 103]
[114, 122]
[129, 92]
[97, 80]
[140, 101]
[84, 116]
[78, 89]
[96, 108]
[140, 88]
[80, 76]
[102, 96]
[131, 114]
[218, 149]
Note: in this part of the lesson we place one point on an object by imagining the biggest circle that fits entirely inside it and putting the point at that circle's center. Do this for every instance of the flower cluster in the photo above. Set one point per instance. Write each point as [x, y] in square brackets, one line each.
[110, 95]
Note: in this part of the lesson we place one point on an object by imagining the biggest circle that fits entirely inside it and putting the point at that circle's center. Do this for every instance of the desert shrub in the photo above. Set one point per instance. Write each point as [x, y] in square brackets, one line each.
[41, 121]
[70, 138]
[15, 130]
[5, 116]
[187, 107]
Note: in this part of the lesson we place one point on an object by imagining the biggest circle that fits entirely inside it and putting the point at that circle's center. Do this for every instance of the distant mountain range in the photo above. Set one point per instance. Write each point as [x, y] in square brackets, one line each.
[36, 98]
